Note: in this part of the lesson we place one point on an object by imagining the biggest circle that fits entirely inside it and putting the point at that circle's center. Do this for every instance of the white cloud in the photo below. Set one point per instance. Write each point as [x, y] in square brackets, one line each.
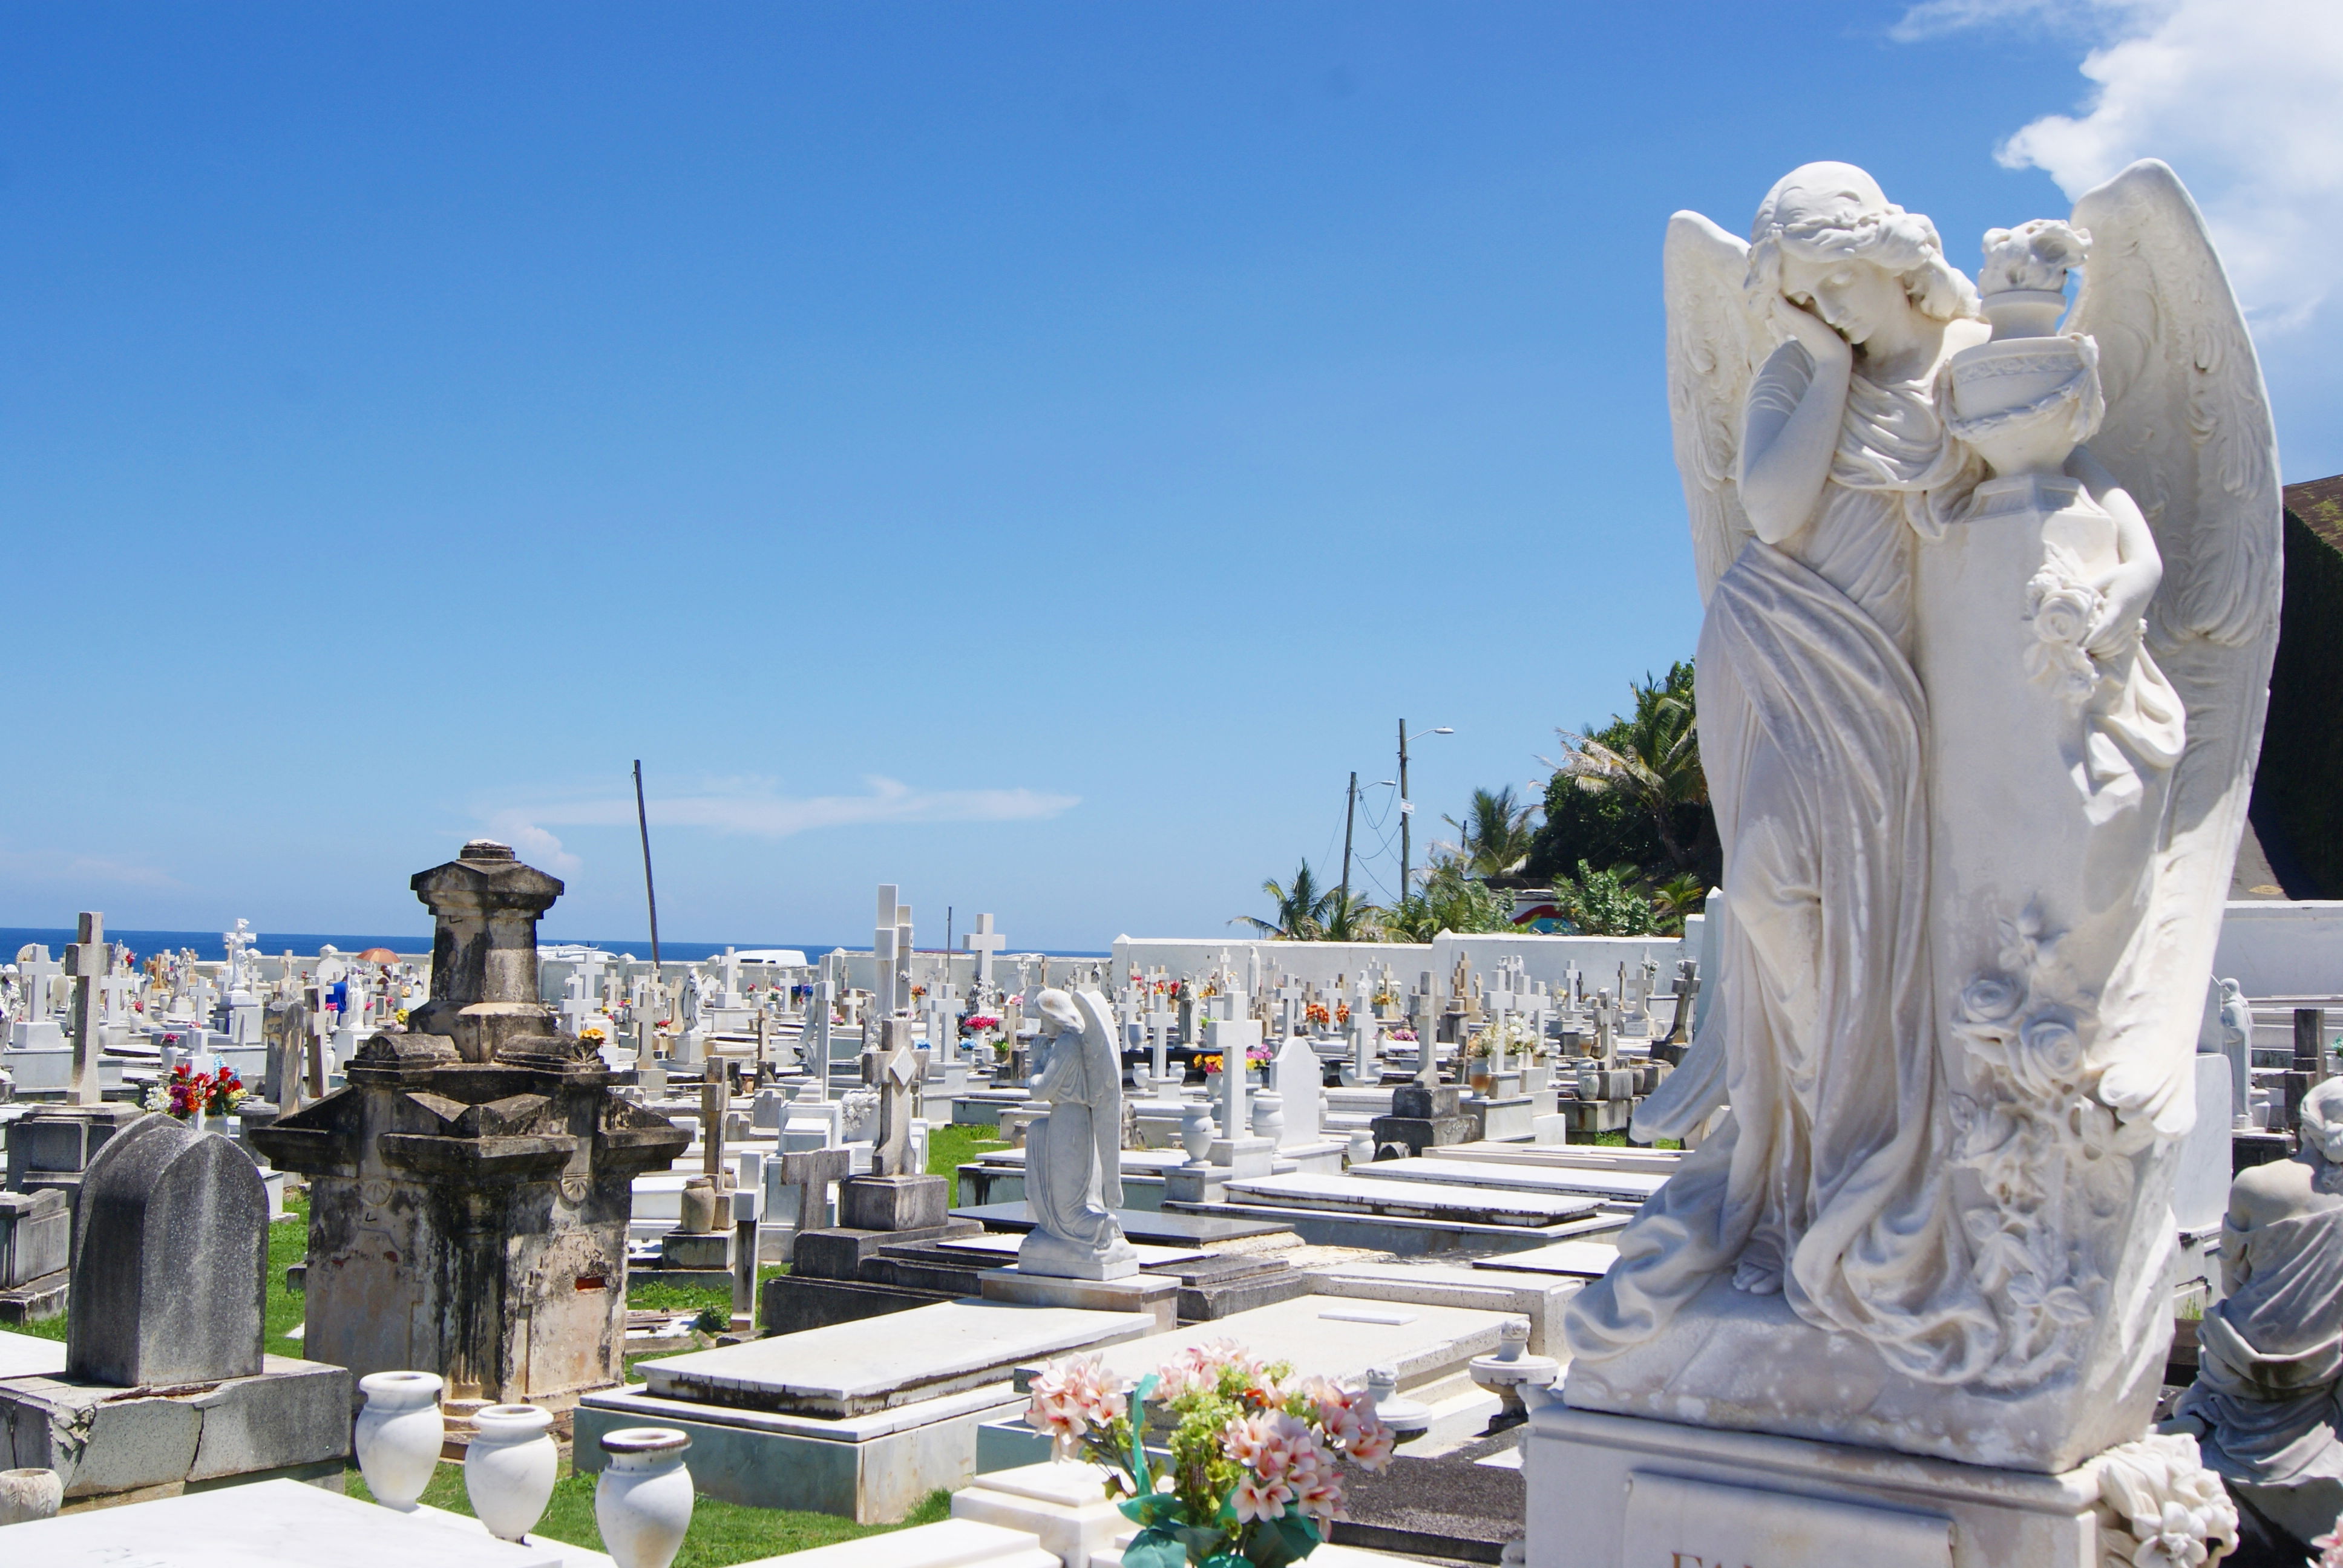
[752, 807]
[2243, 97]
[534, 844]
[55, 866]
[1935, 18]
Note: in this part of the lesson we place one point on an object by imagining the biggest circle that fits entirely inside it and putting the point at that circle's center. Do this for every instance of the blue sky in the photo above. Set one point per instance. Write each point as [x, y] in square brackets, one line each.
[1028, 453]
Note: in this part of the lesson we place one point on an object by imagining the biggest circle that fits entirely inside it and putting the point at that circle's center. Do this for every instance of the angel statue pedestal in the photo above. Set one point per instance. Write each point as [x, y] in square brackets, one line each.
[1076, 1255]
[1978, 732]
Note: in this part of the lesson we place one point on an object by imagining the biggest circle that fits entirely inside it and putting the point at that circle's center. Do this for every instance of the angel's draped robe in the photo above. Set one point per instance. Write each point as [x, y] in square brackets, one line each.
[1828, 1180]
[1073, 1169]
[2271, 1353]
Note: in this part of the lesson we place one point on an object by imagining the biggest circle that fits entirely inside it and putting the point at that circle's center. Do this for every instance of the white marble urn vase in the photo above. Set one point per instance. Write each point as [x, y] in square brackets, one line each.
[509, 1468]
[1196, 1131]
[29, 1494]
[399, 1435]
[642, 1504]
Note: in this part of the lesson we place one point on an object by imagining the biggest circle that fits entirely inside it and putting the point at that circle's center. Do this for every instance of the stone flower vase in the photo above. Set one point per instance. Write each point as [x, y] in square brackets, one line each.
[1196, 1131]
[1269, 1117]
[29, 1494]
[643, 1502]
[510, 1467]
[697, 1214]
[399, 1435]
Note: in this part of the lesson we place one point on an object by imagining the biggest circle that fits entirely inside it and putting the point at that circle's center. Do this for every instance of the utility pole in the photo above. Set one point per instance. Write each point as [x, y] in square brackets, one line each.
[1350, 811]
[643, 821]
[1406, 810]
[1406, 806]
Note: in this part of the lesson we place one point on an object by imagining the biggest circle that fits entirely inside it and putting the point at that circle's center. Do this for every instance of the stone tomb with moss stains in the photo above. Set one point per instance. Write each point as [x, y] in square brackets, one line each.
[470, 1188]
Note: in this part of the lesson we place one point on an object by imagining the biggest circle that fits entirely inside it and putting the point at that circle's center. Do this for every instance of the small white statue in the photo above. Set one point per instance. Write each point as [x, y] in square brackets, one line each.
[1073, 1155]
[2264, 1407]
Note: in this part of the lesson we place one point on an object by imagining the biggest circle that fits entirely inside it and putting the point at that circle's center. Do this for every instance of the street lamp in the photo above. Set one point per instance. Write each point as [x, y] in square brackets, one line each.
[1407, 807]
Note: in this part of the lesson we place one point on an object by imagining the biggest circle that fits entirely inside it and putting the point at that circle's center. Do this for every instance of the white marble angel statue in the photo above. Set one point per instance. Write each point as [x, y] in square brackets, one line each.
[1073, 1155]
[1978, 706]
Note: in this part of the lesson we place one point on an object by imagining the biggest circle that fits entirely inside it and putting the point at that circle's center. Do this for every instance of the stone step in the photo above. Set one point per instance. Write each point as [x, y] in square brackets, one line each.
[1411, 1200]
[1620, 1186]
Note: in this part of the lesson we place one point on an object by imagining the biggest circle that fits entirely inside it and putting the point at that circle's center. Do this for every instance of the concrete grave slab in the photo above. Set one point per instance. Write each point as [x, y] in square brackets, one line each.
[1581, 1259]
[1627, 1186]
[1166, 1229]
[853, 1369]
[268, 1524]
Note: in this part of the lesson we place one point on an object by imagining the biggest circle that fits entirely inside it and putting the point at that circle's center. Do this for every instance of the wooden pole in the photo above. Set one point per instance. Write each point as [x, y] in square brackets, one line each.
[650, 896]
[1405, 808]
[1350, 811]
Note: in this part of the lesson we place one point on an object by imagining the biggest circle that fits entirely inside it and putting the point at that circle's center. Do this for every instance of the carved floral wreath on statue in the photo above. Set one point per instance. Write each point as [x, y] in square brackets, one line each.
[2029, 1123]
[1254, 1477]
[2063, 607]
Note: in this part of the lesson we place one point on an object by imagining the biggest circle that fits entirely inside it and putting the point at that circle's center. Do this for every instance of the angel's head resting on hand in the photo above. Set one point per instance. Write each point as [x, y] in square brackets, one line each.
[1828, 240]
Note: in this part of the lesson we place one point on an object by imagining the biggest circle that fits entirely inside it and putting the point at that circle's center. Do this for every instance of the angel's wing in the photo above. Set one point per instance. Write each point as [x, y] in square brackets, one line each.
[1102, 1056]
[2188, 433]
[2187, 429]
[1714, 349]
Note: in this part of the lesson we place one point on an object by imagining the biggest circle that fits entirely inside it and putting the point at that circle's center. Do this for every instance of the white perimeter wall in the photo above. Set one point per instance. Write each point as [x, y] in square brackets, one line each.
[2274, 949]
[1544, 958]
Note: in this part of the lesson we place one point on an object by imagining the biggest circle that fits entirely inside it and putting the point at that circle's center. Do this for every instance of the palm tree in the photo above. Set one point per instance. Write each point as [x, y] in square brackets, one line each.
[1494, 839]
[1449, 901]
[1303, 908]
[1650, 759]
[1351, 919]
[1681, 895]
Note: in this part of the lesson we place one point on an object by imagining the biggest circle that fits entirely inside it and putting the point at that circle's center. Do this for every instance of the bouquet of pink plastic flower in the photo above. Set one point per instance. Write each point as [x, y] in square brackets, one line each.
[1255, 1474]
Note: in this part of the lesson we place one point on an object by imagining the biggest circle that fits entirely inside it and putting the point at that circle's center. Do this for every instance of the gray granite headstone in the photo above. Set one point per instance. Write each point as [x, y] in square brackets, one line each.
[35, 1236]
[169, 1260]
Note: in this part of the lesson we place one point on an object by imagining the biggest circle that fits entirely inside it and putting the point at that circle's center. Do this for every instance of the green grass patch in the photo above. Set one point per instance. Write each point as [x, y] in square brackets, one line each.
[721, 1533]
[660, 1297]
[951, 1146]
[283, 1310]
[288, 1243]
[1618, 1140]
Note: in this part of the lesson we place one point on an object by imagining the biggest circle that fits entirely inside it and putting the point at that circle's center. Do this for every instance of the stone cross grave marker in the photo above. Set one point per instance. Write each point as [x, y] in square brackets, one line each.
[88, 961]
[943, 1033]
[715, 1099]
[115, 990]
[1687, 985]
[1366, 1061]
[40, 974]
[883, 999]
[1499, 999]
[985, 942]
[905, 955]
[818, 1010]
[895, 1070]
[1427, 1030]
[1159, 1019]
[1233, 1036]
[1289, 1007]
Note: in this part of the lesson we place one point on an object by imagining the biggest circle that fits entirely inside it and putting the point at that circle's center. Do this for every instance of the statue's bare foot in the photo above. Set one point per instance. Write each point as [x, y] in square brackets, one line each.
[1758, 1276]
